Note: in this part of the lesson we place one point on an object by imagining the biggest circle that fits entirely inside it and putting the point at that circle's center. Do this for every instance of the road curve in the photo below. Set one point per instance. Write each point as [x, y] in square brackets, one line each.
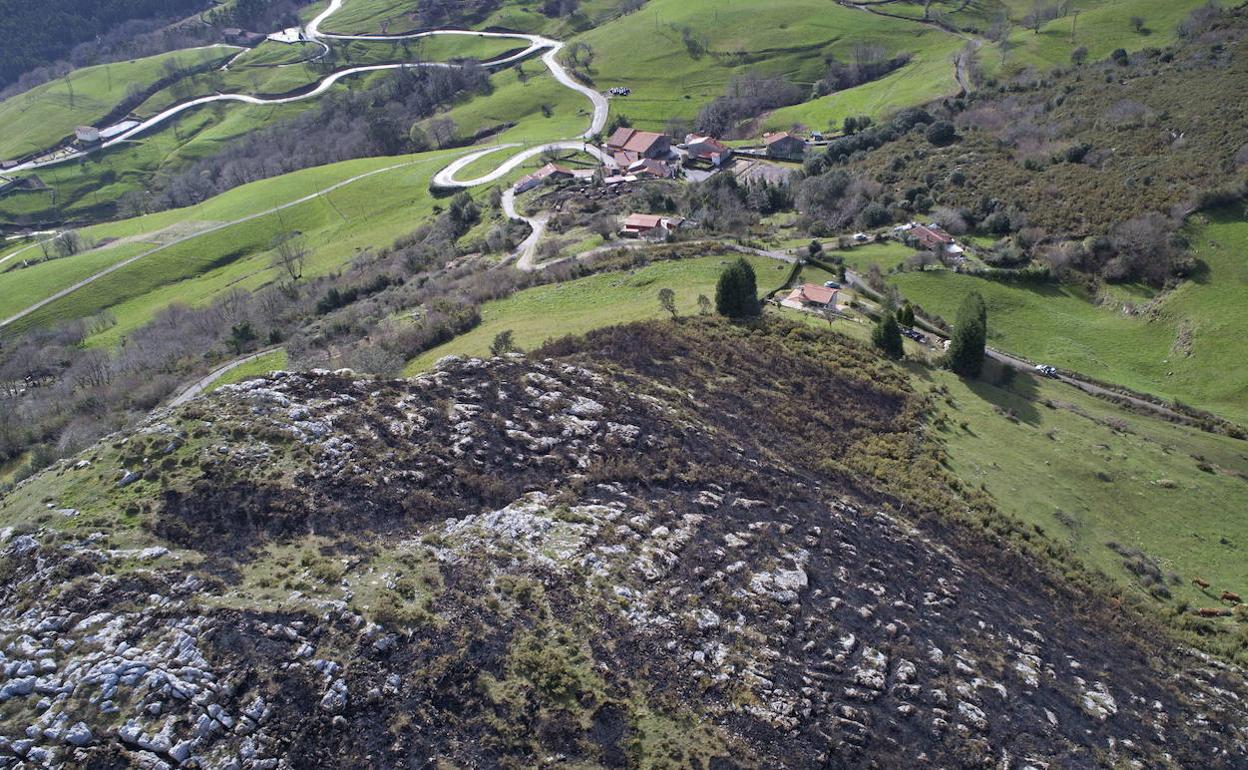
[444, 179]
[526, 252]
[197, 388]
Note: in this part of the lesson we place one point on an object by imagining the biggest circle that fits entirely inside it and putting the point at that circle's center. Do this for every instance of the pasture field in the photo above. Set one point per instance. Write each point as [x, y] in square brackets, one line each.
[1101, 26]
[45, 115]
[437, 48]
[930, 74]
[19, 288]
[1104, 481]
[519, 98]
[336, 225]
[677, 55]
[1176, 348]
[90, 189]
[575, 307]
[273, 54]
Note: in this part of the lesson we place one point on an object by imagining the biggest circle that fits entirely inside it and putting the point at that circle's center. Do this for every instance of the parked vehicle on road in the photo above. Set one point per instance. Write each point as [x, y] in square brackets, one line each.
[1046, 370]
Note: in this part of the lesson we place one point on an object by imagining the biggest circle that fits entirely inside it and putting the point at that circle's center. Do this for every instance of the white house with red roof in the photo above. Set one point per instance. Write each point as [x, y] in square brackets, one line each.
[707, 149]
[811, 296]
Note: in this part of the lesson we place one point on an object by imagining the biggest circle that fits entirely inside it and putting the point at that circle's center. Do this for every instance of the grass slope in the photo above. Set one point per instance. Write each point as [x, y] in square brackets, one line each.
[575, 307]
[1092, 475]
[336, 225]
[1178, 348]
[43, 116]
[647, 52]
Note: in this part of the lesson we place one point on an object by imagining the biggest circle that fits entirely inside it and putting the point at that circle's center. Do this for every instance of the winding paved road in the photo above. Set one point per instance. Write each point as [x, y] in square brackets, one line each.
[444, 179]
[313, 33]
[199, 386]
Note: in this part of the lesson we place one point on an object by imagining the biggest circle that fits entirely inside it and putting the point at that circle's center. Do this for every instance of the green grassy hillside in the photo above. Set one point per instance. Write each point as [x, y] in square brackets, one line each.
[575, 307]
[647, 51]
[1176, 346]
[1105, 482]
[43, 116]
[336, 225]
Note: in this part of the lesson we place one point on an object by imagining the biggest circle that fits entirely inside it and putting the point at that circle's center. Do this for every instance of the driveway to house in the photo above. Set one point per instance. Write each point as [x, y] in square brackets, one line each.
[527, 251]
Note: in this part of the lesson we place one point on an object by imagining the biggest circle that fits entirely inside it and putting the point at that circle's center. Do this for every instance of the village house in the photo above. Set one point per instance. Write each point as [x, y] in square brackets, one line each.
[784, 146]
[931, 237]
[651, 226]
[707, 149]
[87, 134]
[810, 296]
[629, 145]
[656, 169]
[550, 171]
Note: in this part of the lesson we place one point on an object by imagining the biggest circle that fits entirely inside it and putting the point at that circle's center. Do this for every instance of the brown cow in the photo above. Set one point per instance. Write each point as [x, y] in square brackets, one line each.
[1227, 596]
[1200, 583]
[1213, 612]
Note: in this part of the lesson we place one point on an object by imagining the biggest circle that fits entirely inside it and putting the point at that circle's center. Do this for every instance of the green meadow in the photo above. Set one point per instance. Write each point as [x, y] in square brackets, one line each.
[1101, 26]
[1177, 349]
[575, 307]
[535, 106]
[1102, 480]
[673, 72]
[336, 224]
[40, 118]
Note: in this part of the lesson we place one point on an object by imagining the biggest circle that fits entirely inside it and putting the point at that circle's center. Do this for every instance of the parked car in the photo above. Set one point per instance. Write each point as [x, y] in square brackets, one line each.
[861, 238]
[1046, 370]
[917, 336]
[831, 285]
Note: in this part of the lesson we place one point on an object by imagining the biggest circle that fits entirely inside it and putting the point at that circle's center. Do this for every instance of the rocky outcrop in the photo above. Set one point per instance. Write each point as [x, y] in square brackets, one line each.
[536, 562]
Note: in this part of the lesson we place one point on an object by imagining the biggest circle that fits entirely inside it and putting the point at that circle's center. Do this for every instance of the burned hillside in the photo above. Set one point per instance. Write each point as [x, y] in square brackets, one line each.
[664, 545]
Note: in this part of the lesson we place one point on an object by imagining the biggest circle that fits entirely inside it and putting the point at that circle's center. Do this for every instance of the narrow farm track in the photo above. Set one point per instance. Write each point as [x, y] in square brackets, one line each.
[215, 228]
[197, 388]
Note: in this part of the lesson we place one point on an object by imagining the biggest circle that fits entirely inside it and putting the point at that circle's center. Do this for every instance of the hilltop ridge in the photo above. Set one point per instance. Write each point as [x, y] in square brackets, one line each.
[634, 549]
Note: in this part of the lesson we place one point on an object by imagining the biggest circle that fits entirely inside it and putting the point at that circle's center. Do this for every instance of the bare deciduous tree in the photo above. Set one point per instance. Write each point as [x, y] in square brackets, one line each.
[442, 131]
[290, 253]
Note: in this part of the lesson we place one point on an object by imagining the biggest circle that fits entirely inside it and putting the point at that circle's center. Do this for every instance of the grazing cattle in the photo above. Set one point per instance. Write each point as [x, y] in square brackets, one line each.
[1200, 583]
[1213, 612]
[1227, 596]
